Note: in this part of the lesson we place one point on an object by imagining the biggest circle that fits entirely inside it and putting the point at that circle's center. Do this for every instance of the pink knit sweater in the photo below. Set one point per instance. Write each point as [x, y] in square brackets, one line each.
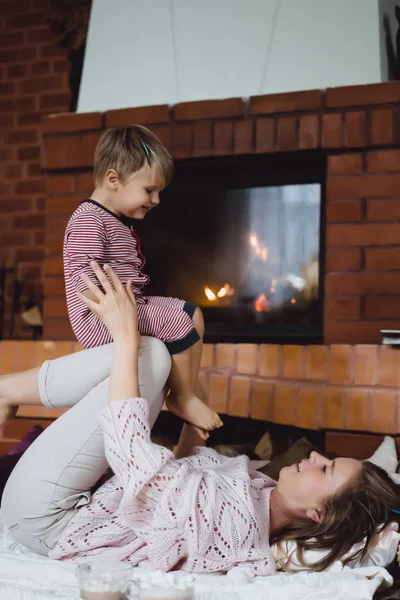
[204, 513]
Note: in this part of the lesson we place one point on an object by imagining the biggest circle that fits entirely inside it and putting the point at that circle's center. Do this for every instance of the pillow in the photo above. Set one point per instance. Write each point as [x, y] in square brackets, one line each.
[386, 458]
[297, 451]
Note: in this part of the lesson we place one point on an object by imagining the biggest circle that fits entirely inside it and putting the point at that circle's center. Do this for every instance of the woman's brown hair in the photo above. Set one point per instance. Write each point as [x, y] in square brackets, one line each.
[356, 513]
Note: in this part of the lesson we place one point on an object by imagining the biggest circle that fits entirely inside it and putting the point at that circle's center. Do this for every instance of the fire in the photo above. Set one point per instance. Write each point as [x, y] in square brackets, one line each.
[253, 240]
[210, 294]
[262, 304]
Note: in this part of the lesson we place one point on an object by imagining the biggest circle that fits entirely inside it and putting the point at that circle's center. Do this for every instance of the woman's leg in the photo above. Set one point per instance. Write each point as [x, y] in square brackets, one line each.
[56, 474]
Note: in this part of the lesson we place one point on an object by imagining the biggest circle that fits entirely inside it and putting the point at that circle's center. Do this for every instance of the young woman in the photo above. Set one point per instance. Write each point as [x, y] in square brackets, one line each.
[200, 513]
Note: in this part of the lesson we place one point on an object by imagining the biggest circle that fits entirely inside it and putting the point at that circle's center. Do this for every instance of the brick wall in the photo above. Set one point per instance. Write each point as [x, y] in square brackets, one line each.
[33, 83]
[336, 387]
[358, 127]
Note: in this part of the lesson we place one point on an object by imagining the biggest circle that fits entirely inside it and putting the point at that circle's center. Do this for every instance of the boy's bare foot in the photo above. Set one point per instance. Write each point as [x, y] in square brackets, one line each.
[192, 410]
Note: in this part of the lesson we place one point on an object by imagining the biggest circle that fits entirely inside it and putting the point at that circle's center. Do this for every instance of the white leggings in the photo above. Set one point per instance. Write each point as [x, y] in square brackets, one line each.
[56, 475]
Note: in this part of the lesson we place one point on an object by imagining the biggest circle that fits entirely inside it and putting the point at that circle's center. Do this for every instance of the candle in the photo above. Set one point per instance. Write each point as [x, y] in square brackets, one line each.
[88, 595]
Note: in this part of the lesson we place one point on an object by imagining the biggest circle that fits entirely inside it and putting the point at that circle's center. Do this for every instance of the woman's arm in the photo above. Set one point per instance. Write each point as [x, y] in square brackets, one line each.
[116, 307]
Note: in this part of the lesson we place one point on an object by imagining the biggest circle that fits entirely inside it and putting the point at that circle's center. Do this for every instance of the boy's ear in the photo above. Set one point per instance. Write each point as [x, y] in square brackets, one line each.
[111, 177]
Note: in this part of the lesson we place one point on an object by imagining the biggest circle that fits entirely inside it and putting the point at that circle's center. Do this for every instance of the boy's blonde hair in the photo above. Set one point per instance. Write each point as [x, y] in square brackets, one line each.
[127, 150]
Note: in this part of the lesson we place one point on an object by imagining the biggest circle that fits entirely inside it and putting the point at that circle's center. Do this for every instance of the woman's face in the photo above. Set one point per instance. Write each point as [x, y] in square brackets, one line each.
[307, 485]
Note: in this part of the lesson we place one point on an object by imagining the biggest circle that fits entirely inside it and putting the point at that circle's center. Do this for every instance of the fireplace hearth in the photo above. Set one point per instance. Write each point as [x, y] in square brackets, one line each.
[242, 238]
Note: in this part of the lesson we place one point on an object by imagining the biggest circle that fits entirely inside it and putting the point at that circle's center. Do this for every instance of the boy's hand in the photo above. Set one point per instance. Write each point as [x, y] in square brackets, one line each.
[115, 306]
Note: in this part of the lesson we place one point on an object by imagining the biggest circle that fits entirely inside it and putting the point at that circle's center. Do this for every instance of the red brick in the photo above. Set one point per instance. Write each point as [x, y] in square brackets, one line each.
[356, 332]
[378, 307]
[286, 102]
[285, 404]
[342, 308]
[364, 284]
[381, 126]
[333, 415]
[34, 170]
[270, 360]
[34, 118]
[143, 115]
[309, 132]
[183, 141]
[14, 238]
[340, 364]
[239, 397]
[8, 56]
[265, 135]
[41, 84]
[309, 408]
[22, 103]
[61, 184]
[293, 362]
[63, 204]
[51, 51]
[42, 67]
[28, 53]
[54, 287]
[355, 129]
[29, 254]
[29, 222]
[30, 187]
[88, 145]
[317, 362]
[363, 234]
[22, 136]
[74, 147]
[343, 211]
[207, 357]
[357, 410]
[58, 329]
[16, 71]
[243, 136]
[28, 153]
[208, 109]
[223, 138]
[225, 356]
[85, 182]
[382, 209]
[218, 393]
[55, 308]
[344, 164]
[15, 204]
[72, 122]
[12, 171]
[362, 186]
[382, 259]
[58, 101]
[164, 134]
[366, 364]
[7, 88]
[54, 267]
[332, 130]
[360, 95]
[247, 359]
[56, 225]
[384, 405]
[389, 371]
[262, 400]
[203, 138]
[52, 156]
[12, 38]
[287, 138]
[383, 161]
[22, 20]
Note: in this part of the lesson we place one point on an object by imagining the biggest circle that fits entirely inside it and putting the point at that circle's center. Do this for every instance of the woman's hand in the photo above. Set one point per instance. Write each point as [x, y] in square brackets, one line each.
[116, 306]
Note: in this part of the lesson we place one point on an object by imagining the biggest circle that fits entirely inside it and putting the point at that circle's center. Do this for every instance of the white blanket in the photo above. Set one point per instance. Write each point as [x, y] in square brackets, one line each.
[27, 576]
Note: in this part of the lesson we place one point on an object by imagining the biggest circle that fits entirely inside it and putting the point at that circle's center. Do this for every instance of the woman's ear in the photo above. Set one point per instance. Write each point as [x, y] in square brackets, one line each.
[313, 514]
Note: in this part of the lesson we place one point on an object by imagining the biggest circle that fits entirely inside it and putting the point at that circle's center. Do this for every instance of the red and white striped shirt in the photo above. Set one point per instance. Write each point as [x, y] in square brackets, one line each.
[95, 233]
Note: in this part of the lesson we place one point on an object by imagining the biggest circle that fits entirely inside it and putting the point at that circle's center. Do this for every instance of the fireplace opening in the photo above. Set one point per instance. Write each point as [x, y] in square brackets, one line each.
[242, 237]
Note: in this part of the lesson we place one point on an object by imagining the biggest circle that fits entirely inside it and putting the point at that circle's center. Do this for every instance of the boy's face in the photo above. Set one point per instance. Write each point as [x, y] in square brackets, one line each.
[137, 195]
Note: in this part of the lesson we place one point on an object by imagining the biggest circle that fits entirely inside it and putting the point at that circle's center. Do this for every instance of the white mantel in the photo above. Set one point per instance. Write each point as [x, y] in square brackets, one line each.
[145, 52]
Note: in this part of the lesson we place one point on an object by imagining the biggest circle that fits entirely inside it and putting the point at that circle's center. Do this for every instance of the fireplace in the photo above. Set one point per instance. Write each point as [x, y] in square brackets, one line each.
[241, 237]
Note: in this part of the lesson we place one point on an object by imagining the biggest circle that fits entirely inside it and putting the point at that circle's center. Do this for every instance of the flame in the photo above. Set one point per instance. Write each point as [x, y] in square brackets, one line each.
[293, 301]
[223, 291]
[264, 254]
[262, 304]
[210, 294]
[253, 240]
